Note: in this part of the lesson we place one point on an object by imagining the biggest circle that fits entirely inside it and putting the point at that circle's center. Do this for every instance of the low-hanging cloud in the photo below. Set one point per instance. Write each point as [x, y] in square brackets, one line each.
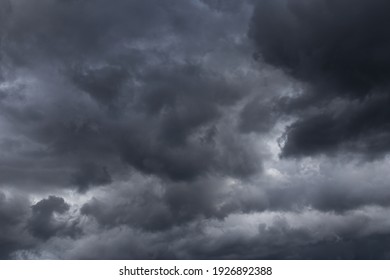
[338, 50]
[152, 129]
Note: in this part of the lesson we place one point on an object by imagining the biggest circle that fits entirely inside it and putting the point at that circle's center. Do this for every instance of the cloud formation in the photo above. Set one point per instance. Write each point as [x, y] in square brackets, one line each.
[338, 49]
[130, 91]
[199, 129]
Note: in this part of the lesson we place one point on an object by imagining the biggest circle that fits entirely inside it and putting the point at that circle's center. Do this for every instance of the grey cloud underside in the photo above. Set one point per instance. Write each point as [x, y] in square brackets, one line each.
[103, 85]
[12, 213]
[147, 130]
[339, 49]
[360, 234]
[43, 223]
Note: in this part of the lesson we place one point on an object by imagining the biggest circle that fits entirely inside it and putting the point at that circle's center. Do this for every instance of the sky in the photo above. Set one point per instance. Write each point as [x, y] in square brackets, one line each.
[199, 129]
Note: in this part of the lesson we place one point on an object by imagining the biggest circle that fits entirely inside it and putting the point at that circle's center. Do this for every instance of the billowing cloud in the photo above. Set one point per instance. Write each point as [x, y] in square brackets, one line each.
[338, 49]
[45, 221]
[128, 92]
[154, 129]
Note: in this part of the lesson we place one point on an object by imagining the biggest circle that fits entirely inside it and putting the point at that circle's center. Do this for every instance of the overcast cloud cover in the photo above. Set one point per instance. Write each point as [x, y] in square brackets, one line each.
[199, 129]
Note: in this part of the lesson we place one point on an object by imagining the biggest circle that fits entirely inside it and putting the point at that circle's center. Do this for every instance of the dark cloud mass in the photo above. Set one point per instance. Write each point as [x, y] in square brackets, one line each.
[42, 224]
[154, 129]
[90, 174]
[340, 50]
[13, 210]
[102, 88]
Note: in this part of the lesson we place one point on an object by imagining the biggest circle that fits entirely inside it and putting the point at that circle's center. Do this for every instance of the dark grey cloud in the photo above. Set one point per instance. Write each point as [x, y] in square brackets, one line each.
[25, 226]
[258, 116]
[75, 29]
[93, 95]
[13, 212]
[338, 49]
[157, 206]
[328, 195]
[355, 126]
[258, 236]
[91, 175]
[326, 42]
[44, 222]
[110, 84]
[103, 84]
[140, 205]
[149, 130]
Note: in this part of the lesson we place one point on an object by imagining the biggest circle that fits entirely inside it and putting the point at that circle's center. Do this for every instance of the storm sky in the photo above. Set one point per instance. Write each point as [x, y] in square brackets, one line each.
[199, 129]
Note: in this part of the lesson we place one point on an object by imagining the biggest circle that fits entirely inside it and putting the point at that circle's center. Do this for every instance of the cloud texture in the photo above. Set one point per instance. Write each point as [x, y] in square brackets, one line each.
[199, 129]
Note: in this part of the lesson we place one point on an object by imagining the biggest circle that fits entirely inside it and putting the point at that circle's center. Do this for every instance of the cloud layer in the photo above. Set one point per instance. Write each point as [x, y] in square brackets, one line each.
[194, 129]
